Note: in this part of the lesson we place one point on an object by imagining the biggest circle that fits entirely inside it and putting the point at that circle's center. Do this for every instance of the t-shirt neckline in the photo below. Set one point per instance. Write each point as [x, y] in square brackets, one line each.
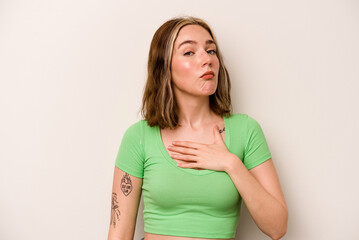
[189, 170]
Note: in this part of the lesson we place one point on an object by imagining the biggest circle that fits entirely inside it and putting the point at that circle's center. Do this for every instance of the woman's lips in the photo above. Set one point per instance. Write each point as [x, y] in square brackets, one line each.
[208, 75]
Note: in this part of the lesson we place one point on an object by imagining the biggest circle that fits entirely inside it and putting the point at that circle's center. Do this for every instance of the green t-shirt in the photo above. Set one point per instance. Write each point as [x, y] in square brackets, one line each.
[188, 202]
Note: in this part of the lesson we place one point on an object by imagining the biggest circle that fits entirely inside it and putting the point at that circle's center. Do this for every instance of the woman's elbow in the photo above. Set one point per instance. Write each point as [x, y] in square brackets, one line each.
[279, 235]
[281, 229]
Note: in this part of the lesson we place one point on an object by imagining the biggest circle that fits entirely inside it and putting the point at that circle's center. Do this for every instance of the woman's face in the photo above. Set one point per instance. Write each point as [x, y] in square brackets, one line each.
[195, 63]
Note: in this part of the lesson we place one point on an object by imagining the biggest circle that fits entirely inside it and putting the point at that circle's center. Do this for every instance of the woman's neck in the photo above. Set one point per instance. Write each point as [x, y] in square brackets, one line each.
[194, 112]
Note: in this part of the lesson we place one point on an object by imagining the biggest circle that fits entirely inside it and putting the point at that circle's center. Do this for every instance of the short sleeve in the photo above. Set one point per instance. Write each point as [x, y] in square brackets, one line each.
[256, 150]
[130, 156]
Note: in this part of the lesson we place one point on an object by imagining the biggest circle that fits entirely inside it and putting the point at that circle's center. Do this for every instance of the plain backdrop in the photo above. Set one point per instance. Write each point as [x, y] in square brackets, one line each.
[71, 80]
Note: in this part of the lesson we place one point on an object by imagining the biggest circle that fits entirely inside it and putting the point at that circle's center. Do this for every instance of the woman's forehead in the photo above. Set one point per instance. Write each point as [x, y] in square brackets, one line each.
[193, 34]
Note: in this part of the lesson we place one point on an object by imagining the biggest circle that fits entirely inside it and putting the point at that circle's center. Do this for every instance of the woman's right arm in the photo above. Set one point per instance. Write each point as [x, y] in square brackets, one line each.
[126, 195]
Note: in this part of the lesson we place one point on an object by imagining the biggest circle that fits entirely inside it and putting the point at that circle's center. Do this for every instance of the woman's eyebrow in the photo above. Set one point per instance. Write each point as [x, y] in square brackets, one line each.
[208, 42]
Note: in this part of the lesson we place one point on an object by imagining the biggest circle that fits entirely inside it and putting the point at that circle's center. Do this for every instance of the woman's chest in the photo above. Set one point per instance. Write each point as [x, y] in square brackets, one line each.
[167, 186]
[205, 136]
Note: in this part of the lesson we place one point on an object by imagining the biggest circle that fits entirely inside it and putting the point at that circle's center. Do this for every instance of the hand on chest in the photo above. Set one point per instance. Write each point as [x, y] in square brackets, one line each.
[205, 135]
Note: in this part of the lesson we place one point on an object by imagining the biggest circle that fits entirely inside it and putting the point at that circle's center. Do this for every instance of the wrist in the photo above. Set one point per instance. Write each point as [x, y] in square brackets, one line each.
[233, 164]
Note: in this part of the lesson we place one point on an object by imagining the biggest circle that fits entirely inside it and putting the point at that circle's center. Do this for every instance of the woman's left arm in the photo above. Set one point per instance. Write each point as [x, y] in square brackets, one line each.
[260, 190]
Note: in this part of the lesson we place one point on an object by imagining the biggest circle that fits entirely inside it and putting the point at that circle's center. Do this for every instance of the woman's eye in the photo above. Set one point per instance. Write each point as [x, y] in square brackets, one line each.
[213, 52]
[188, 53]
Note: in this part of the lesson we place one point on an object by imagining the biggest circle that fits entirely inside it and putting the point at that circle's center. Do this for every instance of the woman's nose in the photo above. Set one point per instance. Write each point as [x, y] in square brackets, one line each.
[205, 58]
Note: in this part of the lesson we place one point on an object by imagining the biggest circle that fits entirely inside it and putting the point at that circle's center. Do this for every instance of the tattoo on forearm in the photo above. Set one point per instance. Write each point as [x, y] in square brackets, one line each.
[115, 212]
[126, 184]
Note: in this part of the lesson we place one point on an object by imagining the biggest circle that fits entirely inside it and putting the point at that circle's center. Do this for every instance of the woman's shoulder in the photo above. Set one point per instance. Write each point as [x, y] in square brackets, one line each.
[239, 116]
[138, 124]
[139, 127]
[243, 119]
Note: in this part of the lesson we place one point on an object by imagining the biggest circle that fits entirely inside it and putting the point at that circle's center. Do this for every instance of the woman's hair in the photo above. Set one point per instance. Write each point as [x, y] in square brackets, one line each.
[159, 106]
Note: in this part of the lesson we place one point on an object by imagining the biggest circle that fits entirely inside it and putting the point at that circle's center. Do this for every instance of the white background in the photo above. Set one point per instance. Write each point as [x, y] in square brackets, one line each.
[71, 80]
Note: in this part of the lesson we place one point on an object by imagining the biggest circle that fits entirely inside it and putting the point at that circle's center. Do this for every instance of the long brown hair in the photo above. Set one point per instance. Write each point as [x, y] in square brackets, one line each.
[159, 106]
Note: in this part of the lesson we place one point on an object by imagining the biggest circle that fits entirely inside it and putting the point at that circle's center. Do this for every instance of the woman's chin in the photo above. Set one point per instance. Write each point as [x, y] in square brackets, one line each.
[209, 89]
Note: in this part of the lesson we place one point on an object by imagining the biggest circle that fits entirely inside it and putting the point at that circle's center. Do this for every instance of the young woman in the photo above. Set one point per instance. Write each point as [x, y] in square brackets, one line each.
[190, 157]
